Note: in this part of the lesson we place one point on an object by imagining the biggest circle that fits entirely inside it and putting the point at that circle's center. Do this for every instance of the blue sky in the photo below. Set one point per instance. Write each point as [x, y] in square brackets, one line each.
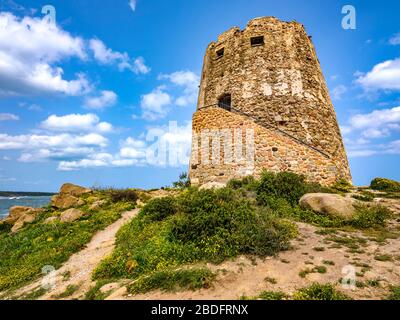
[82, 100]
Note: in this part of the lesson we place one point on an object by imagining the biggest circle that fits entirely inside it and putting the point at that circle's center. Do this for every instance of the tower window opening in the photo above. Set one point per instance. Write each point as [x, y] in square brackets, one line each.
[225, 102]
[220, 53]
[257, 41]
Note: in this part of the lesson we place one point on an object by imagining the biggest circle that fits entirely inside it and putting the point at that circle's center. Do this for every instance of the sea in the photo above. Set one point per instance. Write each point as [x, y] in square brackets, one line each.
[28, 201]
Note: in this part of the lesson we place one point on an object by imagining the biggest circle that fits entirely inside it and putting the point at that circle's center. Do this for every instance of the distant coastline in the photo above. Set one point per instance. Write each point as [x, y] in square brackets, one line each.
[25, 194]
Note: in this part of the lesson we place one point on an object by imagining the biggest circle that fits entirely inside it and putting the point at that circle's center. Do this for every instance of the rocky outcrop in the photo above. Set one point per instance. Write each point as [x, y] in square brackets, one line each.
[69, 196]
[329, 204]
[19, 216]
[71, 215]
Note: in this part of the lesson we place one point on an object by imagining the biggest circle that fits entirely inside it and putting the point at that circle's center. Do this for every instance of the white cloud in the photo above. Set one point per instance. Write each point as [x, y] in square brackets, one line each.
[395, 40]
[107, 56]
[190, 83]
[338, 92]
[29, 49]
[162, 146]
[154, 104]
[76, 123]
[383, 76]
[132, 4]
[376, 118]
[106, 99]
[8, 117]
[53, 147]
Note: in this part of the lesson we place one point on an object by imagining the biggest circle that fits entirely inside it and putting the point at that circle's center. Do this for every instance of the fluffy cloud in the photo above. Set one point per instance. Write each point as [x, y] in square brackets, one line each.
[8, 117]
[378, 124]
[52, 147]
[29, 49]
[132, 4]
[106, 99]
[189, 81]
[162, 146]
[376, 119]
[155, 104]
[383, 76]
[395, 40]
[76, 123]
[107, 56]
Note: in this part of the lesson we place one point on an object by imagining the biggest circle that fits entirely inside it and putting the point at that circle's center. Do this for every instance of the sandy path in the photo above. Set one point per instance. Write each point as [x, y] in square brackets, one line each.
[80, 266]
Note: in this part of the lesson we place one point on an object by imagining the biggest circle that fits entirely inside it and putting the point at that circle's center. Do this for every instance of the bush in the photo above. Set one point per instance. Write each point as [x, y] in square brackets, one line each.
[173, 280]
[209, 225]
[183, 182]
[319, 292]
[268, 295]
[159, 208]
[394, 293]
[248, 183]
[382, 184]
[370, 217]
[126, 195]
[342, 185]
[284, 185]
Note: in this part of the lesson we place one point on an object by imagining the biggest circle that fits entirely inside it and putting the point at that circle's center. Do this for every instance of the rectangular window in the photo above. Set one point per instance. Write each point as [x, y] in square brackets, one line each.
[220, 53]
[257, 41]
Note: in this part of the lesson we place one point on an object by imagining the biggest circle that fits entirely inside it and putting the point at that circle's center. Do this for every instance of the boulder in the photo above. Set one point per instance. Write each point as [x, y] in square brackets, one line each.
[19, 216]
[71, 215]
[69, 196]
[329, 204]
[74, 190]
[65, 201]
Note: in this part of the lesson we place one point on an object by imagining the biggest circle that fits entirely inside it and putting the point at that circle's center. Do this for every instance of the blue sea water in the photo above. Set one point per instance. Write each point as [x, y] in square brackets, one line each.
[7, 202]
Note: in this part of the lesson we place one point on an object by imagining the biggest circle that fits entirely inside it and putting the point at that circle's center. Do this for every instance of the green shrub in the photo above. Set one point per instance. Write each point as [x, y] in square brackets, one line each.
[382, 184]
[342, 185]
[267, 295]
[319, 292]
[158, 209]
[173, 280]
[370, 217]
[248, 183]
[394, 293]
[126, 195]
[284, 185]
[361, 197]
[183, 182]
[209, 225]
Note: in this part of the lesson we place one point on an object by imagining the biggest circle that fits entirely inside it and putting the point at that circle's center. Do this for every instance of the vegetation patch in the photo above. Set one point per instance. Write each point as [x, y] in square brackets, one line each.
[382, 184]
[267, 295]
[320, 292]
[197, 225]
[394, 293]
[23, 255]
[69, 291]
[173, 280]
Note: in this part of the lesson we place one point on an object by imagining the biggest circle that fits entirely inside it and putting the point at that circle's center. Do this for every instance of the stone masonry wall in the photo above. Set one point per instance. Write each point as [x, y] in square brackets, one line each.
[272, 151]
[279, 83]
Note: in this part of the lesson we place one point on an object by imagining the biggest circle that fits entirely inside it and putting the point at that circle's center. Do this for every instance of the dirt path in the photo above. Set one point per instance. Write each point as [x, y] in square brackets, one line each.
[78, 269]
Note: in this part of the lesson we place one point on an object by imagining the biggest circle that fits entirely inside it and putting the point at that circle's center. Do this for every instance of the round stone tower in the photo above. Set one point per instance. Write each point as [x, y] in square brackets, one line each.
[267, 79]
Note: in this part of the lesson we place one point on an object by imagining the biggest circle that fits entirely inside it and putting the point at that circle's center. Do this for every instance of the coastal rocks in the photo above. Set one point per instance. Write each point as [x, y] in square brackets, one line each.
[69, 196]
[71, 215]
[19, 216]
[51, 220]
[329, 204]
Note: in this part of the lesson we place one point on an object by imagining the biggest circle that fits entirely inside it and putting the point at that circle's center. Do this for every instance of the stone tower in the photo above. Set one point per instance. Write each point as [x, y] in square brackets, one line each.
[263, 87]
